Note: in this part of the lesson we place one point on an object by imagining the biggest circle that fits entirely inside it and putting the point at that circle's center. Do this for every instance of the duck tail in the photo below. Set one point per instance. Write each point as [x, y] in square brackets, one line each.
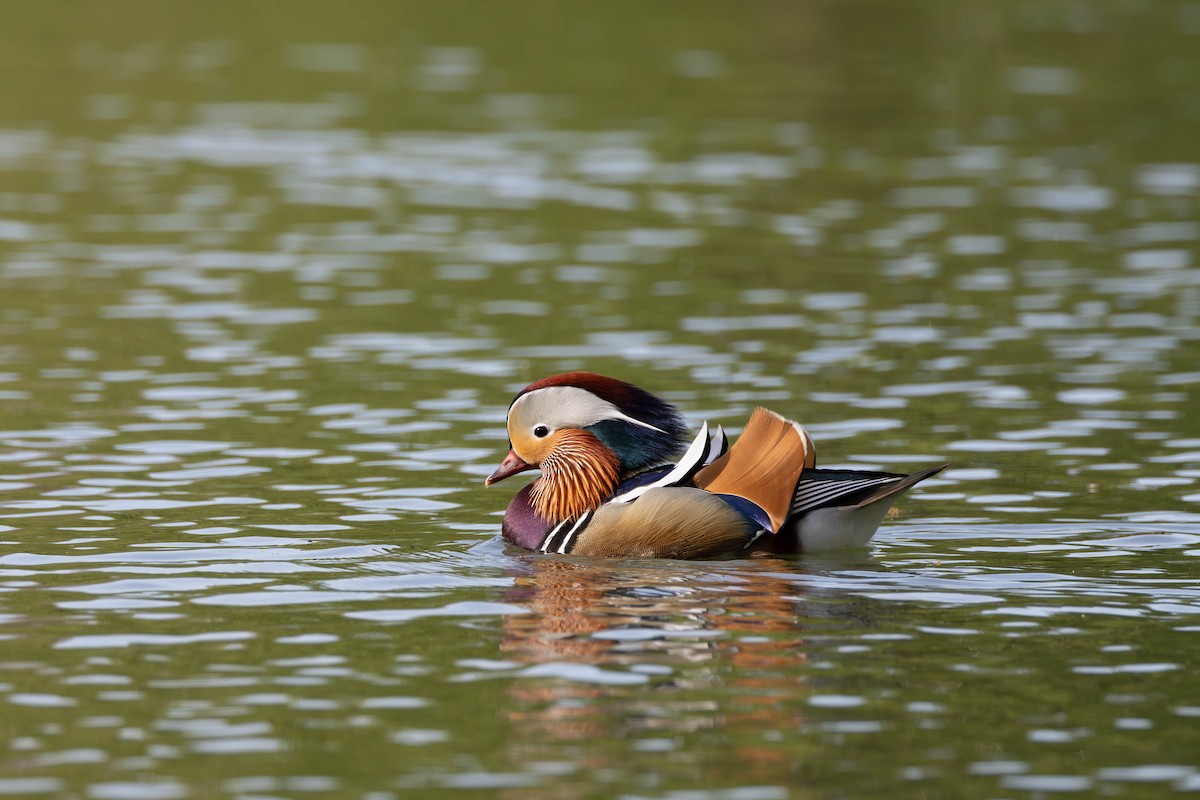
[900, 486]
[763, 466]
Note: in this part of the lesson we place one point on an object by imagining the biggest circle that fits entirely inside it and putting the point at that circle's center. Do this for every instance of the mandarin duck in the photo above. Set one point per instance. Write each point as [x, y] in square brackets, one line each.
[619, 478]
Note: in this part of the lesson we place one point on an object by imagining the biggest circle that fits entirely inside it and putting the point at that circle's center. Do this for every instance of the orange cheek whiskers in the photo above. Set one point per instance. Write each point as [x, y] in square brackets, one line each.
[577, 476]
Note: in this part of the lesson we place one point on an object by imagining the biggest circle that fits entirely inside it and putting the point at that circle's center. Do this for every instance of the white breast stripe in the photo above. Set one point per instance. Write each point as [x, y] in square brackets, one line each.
[693, 458]
[545, 548]
[569, 539]
[815, 493]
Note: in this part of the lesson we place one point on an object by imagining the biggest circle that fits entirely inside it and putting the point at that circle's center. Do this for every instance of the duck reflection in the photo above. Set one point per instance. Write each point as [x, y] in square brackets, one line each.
[635, 613]
[694, 650]
[718, 645]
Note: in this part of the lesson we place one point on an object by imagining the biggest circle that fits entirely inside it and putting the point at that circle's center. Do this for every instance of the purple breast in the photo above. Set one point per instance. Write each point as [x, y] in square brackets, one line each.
[522, 526]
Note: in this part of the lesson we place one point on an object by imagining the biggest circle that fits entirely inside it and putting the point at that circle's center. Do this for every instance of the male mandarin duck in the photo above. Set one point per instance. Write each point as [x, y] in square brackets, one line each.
[609, 487]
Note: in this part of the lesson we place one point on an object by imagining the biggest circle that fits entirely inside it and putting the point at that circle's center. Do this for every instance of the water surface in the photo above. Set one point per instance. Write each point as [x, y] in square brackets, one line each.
[270, 280]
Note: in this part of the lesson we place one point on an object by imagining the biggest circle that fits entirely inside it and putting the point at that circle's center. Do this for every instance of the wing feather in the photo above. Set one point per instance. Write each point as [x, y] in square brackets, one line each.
[763, 466]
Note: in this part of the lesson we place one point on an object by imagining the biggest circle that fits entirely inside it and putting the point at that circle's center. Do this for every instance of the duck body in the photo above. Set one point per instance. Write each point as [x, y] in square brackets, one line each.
[679, 522]
[618, 481]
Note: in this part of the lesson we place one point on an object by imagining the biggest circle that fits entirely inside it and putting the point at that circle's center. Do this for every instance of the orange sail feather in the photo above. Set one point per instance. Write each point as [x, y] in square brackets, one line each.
[763, 466]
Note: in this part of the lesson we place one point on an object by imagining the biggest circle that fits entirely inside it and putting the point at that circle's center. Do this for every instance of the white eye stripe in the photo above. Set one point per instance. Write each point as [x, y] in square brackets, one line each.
[559, 407]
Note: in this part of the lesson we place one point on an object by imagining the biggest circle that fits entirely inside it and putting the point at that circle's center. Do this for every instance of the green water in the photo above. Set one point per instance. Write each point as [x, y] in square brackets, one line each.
[270, 274]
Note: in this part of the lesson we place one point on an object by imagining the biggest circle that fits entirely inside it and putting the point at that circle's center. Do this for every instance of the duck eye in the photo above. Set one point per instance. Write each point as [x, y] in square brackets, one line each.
[541, 431]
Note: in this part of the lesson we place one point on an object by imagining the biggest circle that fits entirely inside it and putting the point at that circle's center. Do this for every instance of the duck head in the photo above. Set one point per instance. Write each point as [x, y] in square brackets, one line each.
[586, 433]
